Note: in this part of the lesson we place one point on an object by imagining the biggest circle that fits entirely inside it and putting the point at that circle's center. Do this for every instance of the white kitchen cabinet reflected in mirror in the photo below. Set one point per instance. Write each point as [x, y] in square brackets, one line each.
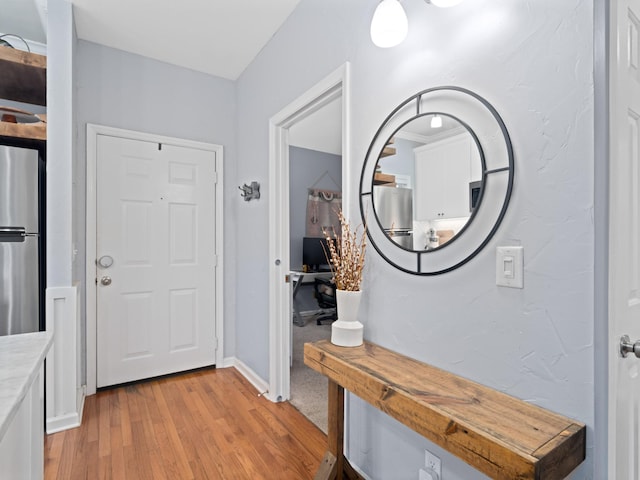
[426, 182]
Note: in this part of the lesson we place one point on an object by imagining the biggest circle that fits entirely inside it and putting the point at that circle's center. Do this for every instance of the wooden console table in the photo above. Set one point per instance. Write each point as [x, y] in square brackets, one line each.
[501, 436]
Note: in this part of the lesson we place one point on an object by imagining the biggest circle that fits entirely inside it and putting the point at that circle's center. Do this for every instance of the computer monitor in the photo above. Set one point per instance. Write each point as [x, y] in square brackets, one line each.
[313, 255]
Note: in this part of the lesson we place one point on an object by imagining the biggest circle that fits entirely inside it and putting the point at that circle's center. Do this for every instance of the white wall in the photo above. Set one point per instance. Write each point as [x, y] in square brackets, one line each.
[534, 62]
[60, 143]
[124, 90]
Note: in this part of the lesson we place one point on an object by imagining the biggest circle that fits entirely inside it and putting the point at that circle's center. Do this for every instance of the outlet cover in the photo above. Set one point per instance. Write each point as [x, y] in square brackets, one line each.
[427, 475]
[432, 464]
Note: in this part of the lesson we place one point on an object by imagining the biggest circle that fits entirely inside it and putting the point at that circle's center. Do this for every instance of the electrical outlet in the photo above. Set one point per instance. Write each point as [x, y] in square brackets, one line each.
[433, 463]
[427, 475]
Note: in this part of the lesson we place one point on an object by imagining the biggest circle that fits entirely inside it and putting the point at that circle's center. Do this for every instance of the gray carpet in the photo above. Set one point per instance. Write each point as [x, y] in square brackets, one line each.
[309, 388]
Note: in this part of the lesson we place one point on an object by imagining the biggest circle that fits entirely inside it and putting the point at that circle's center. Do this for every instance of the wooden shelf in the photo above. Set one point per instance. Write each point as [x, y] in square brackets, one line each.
[387, 151]
[383, 179]
[29, 131]
[24, 76]
[501, 436]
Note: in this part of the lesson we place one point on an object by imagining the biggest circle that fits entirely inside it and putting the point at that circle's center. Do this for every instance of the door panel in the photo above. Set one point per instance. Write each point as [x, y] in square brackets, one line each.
[624, 231]
[156, 219]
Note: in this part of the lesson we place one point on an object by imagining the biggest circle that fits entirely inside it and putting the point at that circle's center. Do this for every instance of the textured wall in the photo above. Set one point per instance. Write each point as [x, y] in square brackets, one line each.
[533, 60]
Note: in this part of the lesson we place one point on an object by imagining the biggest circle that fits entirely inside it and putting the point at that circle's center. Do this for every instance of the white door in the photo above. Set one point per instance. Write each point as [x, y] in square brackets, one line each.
[624, 240]
[156, 259]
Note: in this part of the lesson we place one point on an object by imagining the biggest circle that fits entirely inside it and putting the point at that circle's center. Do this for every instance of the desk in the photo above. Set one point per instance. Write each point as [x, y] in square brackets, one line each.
[297, 278]
[499, 435]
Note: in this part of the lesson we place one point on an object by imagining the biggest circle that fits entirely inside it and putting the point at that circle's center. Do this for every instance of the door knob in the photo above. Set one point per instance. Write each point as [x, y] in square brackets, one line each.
[626, 347]
[106, 280]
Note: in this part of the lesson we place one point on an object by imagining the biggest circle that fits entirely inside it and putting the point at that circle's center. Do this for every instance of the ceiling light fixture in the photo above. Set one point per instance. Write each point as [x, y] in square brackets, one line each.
[436, 121]
[389, 25]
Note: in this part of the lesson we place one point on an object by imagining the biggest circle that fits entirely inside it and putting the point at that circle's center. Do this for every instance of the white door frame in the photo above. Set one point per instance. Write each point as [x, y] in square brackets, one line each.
[91, 235]
[334, 86]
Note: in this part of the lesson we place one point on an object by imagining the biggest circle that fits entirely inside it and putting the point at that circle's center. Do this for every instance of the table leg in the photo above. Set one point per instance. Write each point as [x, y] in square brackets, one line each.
[334, 466]
[335, 427]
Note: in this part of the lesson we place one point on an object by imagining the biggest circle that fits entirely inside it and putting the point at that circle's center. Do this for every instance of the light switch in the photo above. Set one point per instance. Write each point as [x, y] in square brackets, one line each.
[510, 267]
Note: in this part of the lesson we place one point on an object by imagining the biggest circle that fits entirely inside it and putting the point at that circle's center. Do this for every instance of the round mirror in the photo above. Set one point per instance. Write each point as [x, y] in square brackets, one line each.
[427, 182]
[436, 180]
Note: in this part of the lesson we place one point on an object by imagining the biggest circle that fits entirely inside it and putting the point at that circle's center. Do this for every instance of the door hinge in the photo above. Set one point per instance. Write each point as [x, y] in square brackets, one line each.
[215, 177]
[215, 260]
[215, 344]
[96, 281]
[287, 279]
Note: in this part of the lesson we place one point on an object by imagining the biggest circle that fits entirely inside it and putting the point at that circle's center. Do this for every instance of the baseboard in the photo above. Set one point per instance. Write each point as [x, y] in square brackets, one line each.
[252, 377]
[70, 420]
[80, 396]
[63, 422]
[227, 362]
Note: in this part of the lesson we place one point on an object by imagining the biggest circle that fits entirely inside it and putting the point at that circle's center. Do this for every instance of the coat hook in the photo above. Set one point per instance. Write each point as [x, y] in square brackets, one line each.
[249, 192]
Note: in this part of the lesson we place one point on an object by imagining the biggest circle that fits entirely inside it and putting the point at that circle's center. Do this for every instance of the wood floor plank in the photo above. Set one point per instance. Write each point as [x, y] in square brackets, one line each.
[209, 424]
[52, 454]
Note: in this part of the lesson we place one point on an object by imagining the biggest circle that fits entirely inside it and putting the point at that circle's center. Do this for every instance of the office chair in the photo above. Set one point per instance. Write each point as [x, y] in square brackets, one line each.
[325, 292]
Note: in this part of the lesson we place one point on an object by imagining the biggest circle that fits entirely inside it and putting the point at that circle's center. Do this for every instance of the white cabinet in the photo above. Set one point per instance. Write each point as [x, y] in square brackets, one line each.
[22, 405]
[443, 170]
[22, 446]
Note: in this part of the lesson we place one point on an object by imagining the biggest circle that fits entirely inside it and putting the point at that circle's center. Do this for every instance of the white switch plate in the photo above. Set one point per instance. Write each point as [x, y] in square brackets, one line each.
[510, 267]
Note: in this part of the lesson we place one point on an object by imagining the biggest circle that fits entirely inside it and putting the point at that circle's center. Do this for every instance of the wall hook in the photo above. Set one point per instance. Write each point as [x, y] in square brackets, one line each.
[249, 192]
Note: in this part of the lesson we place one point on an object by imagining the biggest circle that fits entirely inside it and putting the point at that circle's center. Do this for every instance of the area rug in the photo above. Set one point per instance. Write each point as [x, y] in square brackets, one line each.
[308, 387]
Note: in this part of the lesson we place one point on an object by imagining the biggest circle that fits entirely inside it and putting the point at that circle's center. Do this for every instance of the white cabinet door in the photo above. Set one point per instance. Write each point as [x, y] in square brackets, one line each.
[442, 172]
[156, 259]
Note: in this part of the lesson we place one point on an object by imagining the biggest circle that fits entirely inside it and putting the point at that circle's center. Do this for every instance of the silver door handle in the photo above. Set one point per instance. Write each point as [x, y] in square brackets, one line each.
[626, 347]
[106, 280]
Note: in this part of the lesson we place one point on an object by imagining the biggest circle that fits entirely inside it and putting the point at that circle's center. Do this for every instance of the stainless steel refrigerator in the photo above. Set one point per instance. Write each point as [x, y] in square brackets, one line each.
[20, 254]
[394, 209]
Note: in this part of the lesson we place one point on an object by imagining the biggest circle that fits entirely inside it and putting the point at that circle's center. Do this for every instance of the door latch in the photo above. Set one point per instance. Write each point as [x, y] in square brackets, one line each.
[626, 347]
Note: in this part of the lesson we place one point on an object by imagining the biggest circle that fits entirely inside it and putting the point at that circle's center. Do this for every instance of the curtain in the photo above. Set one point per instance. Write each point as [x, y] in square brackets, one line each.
[322, 212]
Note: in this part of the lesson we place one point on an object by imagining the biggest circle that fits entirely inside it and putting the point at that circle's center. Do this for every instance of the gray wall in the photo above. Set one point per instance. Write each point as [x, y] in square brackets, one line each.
[123, 90]
[306, 167]
[534, 62]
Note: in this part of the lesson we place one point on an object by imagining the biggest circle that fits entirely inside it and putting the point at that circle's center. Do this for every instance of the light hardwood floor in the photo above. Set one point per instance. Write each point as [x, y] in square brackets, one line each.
[208, 424]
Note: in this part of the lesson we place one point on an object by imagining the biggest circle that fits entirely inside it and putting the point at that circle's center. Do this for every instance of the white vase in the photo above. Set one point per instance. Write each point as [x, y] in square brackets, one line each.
[347, 330]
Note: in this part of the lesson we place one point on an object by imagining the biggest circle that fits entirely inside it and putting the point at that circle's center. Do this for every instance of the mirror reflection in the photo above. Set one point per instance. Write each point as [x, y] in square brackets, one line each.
[427, 182]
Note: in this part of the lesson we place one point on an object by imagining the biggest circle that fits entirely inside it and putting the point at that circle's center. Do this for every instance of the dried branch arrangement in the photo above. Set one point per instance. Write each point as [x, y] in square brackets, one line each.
[346, 255]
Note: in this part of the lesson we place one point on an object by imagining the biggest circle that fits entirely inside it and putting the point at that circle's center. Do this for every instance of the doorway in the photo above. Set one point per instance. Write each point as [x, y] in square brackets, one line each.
[182, 178]
[315, 197]
[333, 88]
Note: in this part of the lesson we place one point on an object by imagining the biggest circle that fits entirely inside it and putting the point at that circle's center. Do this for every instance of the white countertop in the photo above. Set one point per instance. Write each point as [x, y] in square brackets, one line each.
[21, 357]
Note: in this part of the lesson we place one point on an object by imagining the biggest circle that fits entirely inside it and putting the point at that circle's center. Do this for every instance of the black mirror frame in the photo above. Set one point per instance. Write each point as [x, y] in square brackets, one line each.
[366, 184]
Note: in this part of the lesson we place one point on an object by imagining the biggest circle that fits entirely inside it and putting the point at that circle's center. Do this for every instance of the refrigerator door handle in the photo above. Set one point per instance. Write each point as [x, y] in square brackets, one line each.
[12, 234]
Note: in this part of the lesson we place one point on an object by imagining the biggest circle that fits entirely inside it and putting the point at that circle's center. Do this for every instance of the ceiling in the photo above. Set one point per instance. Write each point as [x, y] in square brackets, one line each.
[217, 37]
